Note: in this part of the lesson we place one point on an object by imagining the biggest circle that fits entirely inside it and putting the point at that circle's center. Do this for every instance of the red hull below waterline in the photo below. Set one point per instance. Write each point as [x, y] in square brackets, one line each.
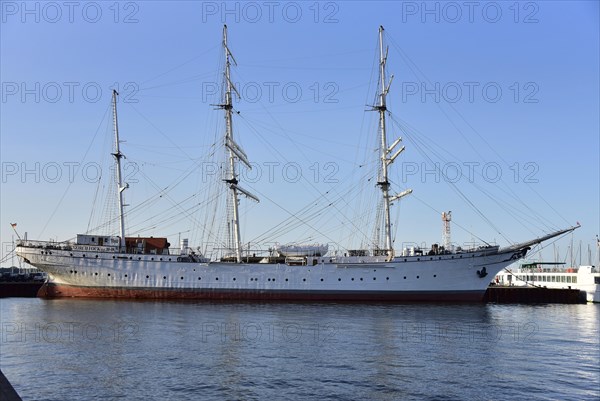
[52, 290]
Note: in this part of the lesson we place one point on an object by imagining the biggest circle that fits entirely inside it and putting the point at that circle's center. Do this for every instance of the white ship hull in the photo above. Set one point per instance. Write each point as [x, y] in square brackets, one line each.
[452, 277]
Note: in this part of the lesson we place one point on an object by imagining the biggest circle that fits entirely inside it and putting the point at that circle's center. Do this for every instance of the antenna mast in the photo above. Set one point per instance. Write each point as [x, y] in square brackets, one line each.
[446, 218]
[120, 187]
[234, 151]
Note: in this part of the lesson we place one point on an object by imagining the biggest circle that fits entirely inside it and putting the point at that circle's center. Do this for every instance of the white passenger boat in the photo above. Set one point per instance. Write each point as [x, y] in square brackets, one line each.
[554, 275]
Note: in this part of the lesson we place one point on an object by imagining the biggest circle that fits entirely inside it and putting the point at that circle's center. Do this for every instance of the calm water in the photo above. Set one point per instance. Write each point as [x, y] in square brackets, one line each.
[106, 350]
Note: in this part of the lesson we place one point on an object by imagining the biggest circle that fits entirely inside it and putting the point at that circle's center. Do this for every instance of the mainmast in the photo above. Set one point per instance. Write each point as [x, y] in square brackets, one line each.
[234, 151]
[120, 187]
[383, 181]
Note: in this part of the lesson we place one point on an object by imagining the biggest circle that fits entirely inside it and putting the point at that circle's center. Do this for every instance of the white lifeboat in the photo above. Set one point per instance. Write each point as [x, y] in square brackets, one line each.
[302, 250]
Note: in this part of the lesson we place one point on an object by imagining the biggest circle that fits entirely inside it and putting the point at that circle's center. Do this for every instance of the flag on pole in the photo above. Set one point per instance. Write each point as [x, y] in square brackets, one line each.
[14, 227]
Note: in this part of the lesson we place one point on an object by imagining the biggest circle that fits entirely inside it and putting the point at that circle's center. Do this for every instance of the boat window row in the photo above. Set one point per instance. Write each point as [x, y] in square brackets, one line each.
[549, 279]
[255, 279]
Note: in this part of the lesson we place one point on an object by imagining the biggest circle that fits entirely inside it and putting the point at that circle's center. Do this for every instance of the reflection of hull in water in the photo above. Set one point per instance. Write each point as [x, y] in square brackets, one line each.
[455, 277]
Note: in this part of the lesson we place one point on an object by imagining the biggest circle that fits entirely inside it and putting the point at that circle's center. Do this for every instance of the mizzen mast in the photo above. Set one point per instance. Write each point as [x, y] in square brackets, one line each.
[234, 151]
[120, 187]
[386, 160]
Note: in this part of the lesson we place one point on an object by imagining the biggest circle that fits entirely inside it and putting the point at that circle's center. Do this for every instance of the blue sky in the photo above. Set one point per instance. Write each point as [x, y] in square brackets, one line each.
[505, 93]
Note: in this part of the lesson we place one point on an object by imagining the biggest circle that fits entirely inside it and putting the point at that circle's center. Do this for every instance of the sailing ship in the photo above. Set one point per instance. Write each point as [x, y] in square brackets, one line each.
[146, 267]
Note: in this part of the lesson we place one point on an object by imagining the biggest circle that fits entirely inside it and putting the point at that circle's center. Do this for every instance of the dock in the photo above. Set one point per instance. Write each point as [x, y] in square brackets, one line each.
[7, 392]
[533, 295]
[19, 289]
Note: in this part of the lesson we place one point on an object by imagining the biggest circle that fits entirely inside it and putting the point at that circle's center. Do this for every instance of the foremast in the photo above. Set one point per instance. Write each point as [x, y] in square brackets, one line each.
[386, 159]
[120, 187]
[234, 151]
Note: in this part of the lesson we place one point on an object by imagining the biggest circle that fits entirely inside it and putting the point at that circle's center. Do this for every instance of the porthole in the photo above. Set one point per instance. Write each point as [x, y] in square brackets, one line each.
[84, 255]
[108, 274]
[151, 258]
[160, 259]
[268, 279]
[439, 258]
[387, 278]
[303, 279]
[139, 258]
[273, 279]
[435, 275]
[130, 258]
[96, 256]
[430, 258]
[199, 278]
[182, 277]
[170, 260]
[352, 279]
[69, 254]
[164, 277]
[147, 276]
[374, 278]
[339, 279]
[234, 279]
[217, 278]
[418, 259]
[321, 279]
[404, 277]
[417, 276]
[126, 275]
[452, 256]
[361, 279]
[96, 273]
[286, 279]
[405, 259]
[70, 271]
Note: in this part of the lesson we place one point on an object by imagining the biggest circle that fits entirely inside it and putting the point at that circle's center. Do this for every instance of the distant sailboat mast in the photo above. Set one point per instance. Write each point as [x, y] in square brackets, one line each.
[234, 151]
[120, 187]
[383, 181]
